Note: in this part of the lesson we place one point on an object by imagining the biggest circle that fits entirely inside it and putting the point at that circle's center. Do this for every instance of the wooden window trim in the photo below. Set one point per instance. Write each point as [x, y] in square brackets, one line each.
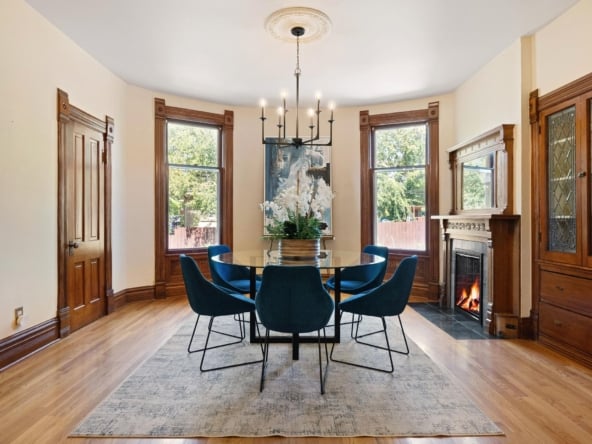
[168, 280]
[426, 284]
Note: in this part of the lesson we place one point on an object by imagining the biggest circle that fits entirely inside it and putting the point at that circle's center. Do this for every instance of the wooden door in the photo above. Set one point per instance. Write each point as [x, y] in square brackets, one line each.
[84, 270]
[85, 196]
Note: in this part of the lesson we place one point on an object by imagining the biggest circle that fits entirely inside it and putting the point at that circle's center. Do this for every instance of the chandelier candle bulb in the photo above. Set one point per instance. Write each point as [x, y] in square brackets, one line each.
[262, 104]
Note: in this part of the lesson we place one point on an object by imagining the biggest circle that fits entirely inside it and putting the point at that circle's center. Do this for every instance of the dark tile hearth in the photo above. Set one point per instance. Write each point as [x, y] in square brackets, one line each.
[455, 323]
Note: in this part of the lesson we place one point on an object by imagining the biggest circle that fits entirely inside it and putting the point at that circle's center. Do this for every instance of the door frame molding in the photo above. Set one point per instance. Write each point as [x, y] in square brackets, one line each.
[66, 114]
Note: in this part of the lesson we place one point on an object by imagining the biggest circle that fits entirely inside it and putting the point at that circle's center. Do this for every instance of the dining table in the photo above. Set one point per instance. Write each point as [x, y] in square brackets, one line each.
[328, 261]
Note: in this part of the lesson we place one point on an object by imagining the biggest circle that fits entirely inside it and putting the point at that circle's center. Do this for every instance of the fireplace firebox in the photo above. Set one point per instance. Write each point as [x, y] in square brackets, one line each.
[467, 283]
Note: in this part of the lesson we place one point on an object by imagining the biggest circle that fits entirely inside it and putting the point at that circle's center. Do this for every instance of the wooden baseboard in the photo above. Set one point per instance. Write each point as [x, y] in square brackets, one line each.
[526, 328]
[145, 293]
[22, 344]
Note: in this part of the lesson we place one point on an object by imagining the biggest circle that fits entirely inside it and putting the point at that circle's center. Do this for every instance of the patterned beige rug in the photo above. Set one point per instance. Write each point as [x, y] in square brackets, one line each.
[167, 396]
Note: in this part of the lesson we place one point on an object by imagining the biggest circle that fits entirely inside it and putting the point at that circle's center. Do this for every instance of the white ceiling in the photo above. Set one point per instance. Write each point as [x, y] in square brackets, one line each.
[377, 50]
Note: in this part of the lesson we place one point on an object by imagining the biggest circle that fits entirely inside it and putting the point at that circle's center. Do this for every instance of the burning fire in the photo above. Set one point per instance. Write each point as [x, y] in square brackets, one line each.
[470, 301]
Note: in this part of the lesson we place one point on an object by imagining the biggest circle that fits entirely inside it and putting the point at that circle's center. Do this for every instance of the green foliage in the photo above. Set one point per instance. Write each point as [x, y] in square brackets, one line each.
[297, 226]
[400, 185]
[474, 190]
[193, 177]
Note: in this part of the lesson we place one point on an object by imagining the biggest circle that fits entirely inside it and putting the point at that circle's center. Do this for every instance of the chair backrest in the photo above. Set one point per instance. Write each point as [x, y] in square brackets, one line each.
[381, 251]
[292, 299]
[390, 298]
[224, 273]
[204, 297]
[378, 250]
[371, 274]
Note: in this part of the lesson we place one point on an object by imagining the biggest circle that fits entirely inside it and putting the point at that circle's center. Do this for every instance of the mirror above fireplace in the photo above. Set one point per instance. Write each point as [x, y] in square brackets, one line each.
[482, 173]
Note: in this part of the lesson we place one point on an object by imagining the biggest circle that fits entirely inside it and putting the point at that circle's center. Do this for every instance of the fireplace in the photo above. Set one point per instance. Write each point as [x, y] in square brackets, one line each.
[468, 272]
[480, 266]
[469, 276]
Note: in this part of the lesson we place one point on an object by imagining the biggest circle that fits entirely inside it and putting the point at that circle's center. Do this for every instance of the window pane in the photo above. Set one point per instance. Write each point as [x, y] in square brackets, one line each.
[400, 146]
[399, 174]
[400, 208]
[192, 144]
[193, 207]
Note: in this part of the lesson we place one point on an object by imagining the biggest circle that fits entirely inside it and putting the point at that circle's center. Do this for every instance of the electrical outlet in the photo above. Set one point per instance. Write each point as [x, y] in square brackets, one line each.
[19, 312]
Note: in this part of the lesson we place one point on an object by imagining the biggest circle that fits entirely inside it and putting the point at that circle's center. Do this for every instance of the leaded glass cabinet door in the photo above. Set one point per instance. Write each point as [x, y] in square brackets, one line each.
[564, 212]
[584, 176]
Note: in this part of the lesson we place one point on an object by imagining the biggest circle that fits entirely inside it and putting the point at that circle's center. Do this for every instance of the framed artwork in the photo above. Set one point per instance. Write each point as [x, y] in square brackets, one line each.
[283, 167]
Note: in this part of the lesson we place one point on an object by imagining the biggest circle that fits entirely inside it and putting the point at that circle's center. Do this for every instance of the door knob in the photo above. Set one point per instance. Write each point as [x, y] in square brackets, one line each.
[71, 246]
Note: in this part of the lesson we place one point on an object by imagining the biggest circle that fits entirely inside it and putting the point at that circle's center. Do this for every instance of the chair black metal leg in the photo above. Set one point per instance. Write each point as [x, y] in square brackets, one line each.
[189, 350]
[206, 346]
[406, 352]
[323, 375]
[388, 348]
[205, 349]
[265, 356]
[352, 322]
[192, 335]
[242, 332]
[355, 322]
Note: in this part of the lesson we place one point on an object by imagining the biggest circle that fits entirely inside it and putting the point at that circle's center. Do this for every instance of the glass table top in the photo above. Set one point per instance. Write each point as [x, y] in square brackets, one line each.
[327, 259]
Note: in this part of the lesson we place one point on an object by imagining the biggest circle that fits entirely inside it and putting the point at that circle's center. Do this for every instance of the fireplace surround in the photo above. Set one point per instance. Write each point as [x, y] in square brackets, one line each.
[495, 240]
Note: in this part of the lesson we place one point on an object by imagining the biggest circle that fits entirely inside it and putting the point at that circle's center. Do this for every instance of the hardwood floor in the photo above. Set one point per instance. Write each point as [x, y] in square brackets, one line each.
[533, 394]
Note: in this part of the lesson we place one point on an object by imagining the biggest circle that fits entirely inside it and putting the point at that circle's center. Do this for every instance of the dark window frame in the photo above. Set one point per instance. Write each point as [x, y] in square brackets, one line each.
[168, 279]
[426, 284]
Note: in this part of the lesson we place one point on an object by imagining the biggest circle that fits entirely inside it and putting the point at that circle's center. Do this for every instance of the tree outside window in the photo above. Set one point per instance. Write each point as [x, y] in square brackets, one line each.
[399, 169]
[193, 185]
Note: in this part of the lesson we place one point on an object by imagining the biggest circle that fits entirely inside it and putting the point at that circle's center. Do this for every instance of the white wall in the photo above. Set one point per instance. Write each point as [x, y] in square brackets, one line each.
[562, 48]
[36, 61]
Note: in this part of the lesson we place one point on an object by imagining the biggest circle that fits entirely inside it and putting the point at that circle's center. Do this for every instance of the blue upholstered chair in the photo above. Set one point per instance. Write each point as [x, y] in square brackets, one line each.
[234, 277]
[208, 299]
[362, 277]
[389, 299]
[294, 300]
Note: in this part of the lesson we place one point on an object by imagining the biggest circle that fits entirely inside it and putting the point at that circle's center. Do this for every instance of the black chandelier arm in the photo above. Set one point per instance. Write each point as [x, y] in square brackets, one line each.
[297, 142]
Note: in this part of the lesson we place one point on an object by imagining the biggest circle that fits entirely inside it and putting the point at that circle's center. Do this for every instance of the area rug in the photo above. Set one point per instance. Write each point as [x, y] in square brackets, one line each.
[168, 396]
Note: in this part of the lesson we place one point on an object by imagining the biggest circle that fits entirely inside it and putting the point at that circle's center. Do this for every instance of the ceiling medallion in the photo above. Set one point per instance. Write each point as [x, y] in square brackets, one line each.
[280, 23]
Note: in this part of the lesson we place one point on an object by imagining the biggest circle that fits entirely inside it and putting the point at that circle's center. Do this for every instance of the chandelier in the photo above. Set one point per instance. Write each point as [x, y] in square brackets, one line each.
[314, 114]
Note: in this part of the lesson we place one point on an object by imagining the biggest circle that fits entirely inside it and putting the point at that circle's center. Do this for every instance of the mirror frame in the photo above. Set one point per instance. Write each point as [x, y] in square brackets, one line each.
[498, 141]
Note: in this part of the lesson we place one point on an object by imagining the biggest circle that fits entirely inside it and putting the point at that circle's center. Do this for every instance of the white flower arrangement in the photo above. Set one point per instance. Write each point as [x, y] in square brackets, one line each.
[297, 211]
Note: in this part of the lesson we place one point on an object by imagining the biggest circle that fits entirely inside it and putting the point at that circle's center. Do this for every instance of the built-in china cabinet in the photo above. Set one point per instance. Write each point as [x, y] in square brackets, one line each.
[561, 125]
